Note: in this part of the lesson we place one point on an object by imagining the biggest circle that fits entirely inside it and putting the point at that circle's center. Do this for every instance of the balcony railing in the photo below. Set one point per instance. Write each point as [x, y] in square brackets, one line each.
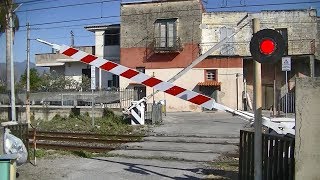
[166, 44]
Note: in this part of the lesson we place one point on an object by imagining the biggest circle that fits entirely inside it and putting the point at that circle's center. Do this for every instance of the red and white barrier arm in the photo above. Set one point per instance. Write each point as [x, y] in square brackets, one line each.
[139, 77]
[157, 84]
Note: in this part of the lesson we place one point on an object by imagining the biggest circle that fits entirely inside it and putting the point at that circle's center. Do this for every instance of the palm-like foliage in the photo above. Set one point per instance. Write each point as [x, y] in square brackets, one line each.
[5, 7]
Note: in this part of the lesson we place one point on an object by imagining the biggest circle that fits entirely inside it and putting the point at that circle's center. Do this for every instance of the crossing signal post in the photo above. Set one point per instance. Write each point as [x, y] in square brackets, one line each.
[266, 46]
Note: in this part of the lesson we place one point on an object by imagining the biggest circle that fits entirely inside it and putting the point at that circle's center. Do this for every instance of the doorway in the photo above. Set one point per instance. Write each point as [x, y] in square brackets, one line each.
[211, 91]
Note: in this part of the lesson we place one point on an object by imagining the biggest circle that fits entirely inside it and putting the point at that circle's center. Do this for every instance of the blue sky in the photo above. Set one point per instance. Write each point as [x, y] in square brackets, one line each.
[44, 19]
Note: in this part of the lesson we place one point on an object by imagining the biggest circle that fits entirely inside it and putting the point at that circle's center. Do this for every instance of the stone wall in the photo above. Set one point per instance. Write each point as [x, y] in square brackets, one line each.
[137, 21]
[301, 26]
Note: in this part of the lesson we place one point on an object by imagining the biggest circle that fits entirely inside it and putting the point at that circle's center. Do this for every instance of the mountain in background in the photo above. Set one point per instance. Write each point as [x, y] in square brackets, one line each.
[19, 69]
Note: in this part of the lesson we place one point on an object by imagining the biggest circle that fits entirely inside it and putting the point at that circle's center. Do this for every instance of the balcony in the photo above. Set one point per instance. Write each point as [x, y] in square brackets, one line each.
[166, 45]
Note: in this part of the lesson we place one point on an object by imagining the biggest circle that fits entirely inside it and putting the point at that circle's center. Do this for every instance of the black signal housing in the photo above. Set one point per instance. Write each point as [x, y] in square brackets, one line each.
[261, 48]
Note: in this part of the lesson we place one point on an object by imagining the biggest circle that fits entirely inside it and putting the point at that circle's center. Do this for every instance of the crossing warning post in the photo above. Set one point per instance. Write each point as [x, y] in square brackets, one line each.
[257, 107]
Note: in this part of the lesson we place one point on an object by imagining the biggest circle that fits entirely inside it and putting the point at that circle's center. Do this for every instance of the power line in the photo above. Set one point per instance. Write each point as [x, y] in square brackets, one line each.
[271, 4]
[80, 36]
[115, 16]
[72, 20]
[69, 5]
[210, 8]
[29, 2]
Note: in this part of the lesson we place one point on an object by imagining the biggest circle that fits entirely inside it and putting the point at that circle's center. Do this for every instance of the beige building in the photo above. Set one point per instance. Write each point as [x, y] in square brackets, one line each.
[161, 38]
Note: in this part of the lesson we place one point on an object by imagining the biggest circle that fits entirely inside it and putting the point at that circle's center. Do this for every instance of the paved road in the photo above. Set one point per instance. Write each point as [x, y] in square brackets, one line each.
[110, 168]
[207, 124]
[187, 139]
[189, 136]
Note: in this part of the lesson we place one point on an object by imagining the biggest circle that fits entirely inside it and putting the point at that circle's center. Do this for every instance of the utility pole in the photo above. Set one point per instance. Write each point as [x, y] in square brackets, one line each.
[274, 90]
[257, 105]
[13, 98]
[28, 74]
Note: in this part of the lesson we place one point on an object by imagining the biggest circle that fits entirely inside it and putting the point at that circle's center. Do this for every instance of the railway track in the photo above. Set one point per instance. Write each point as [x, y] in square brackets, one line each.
[79, 141]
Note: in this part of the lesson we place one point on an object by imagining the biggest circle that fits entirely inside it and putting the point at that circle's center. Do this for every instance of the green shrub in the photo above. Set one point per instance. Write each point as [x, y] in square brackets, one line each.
[107, 113]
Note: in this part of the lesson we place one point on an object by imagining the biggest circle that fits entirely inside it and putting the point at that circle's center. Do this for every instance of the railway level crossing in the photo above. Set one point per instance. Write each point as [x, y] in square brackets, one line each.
[277, 125]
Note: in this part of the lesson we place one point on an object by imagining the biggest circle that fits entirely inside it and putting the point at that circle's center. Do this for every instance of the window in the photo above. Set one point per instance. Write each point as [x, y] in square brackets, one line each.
[112, 37]
[284, 33]
[141, 69]
[166, 33]
[86, 72]
[228, 47]
[115, 81]
[210, 75]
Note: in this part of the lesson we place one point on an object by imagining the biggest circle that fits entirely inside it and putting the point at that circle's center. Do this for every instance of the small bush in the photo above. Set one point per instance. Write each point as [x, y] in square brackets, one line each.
[84, 154]
[107, 113]
[74, 112]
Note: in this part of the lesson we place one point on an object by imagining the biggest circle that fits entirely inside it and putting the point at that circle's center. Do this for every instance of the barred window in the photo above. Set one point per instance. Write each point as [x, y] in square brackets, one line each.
[210, 75]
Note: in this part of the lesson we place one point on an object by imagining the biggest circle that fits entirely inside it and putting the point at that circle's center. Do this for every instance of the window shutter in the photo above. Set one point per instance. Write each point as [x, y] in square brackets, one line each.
[170, 37]
[163, 35]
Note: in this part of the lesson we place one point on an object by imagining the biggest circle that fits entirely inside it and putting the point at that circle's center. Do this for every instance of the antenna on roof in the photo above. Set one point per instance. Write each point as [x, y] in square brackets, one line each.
[72, 38]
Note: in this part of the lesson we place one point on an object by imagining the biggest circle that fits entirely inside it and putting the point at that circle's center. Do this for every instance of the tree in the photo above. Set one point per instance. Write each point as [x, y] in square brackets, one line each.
[6, 13]
[35, 80]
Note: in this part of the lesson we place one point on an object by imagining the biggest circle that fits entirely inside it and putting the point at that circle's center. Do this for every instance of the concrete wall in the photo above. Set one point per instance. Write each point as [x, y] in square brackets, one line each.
[307, 148]
[73, 70]
[137, 21]
[46, 113]
[138, 33]
[108, 52]
[301, 25]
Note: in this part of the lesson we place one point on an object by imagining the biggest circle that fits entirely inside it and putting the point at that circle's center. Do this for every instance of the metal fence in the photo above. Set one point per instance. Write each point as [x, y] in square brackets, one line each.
[288, 105]
[277, 157]
[117, 98]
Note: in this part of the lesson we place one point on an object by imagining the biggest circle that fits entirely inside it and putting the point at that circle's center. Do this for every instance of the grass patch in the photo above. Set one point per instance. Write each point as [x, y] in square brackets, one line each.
[226, 166]
[109, 123]
[44, 153]
[84, 154]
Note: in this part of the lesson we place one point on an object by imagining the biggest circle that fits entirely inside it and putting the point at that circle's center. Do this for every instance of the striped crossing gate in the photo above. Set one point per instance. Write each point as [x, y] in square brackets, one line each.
[139, 77]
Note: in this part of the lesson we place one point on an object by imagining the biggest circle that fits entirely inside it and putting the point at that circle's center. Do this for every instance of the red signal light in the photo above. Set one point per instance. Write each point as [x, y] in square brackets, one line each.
[267, 46]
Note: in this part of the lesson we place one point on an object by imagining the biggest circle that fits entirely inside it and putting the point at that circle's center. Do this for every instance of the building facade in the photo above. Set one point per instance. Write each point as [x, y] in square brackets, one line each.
[299, 29]
[60, 64]
[107, 45]
[161, 38]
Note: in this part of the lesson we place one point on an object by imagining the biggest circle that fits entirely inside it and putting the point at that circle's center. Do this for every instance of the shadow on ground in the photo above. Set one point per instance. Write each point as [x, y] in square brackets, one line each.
[204, 173]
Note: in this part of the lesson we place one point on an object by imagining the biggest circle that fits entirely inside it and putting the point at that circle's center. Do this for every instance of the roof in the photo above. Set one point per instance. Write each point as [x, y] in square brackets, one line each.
[50, 64]
[209, 83]
[95, 27]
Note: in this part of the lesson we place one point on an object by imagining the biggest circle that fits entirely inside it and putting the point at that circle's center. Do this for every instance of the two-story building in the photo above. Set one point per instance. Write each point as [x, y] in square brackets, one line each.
[161, 38]
[107, 45]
